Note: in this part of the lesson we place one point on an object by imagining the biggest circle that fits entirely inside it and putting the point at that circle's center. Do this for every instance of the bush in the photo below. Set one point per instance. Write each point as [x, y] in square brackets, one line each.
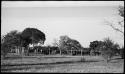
[109, 49]
[122, 52]
[4, 49]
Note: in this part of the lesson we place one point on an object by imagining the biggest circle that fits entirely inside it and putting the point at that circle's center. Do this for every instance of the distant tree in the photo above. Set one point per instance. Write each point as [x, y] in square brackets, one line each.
[32, 36]
[95, 47]
[66, 43]
[10, 40]
[109, 49]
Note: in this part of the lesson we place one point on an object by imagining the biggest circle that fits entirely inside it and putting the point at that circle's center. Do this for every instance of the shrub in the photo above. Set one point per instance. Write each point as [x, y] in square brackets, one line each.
[121, 51]
[109, 49]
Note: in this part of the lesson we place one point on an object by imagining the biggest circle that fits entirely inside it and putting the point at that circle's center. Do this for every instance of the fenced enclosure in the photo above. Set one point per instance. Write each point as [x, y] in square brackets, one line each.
[60, 52]
[49, 51]
[44, 58]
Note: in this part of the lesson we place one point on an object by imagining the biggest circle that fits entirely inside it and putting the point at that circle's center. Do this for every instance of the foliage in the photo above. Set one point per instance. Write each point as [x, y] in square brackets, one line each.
[18, 39]
[10, 40]
[109, 49]
[4, 49]
[66, 43]
[95, 47]
[119, 25]
[86, 51]
[45, 50]
[106, 48]
[33, 35]
[121, 11]
[121, 50]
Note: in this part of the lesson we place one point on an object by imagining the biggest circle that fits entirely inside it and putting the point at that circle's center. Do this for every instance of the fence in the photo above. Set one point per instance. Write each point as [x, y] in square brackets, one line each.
[52, 52]
[60, 52]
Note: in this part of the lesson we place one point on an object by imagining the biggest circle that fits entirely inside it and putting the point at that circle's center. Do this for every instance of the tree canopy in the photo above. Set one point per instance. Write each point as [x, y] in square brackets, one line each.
[95, 44]
[18, 39]
[109, 49]
[67, 43]
[10, 40]
[32, 35]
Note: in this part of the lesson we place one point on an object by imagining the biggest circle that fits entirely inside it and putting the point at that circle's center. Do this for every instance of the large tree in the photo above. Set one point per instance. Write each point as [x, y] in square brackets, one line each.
[66, 43]
[9, 41]
[31, 36]
[21, 39]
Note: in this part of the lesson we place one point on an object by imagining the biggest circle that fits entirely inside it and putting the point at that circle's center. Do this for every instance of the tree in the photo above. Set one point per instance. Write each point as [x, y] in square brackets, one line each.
[9, 41]
[4, 49]
[21, 39]
[119, 25]
[2, 39]
[32, 35]
[121, 51]
[95, 47]
[66, 43]
[13, 37]
[109, 49]
[121, 11]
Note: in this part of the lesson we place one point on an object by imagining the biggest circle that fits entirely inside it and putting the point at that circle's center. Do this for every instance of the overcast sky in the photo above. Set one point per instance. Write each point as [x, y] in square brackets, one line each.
[83, 21]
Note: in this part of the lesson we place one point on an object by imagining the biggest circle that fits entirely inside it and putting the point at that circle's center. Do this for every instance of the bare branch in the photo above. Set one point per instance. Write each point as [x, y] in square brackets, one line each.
[119, 26]
[117, 29]
[120, 23]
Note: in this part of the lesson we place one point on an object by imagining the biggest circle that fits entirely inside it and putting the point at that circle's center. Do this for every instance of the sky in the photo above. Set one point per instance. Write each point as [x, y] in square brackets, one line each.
[80, 20]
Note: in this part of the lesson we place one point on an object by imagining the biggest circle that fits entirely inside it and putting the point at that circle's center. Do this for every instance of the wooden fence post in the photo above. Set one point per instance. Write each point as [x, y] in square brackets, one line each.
[60, 52]
[71, 52]
[37, 51]
[81, 52]
[22, 50]
[49, 51]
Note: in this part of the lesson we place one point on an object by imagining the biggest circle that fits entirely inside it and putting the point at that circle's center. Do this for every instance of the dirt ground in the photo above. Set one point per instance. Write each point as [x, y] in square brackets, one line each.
[86, 64]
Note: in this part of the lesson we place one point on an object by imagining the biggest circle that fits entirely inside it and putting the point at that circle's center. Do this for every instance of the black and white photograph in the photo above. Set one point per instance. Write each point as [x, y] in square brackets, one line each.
[62, 36]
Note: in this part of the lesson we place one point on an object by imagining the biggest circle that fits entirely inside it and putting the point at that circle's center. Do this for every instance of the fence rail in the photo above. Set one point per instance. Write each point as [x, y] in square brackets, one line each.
[54, 52]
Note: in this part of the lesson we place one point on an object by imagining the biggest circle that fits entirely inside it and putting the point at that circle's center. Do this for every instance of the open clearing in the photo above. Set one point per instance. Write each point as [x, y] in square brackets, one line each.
[65, 64]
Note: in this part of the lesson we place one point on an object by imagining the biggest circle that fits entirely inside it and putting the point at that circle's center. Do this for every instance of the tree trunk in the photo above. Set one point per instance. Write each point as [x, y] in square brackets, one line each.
[108, 59]
[60, 52]
[81, 52]
[71, 52]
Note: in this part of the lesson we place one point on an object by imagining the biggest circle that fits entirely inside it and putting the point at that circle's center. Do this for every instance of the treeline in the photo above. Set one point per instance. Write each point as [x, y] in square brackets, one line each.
[16, 40]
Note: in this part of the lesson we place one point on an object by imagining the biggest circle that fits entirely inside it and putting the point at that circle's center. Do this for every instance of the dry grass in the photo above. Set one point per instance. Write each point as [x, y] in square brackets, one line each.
[92, 64]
